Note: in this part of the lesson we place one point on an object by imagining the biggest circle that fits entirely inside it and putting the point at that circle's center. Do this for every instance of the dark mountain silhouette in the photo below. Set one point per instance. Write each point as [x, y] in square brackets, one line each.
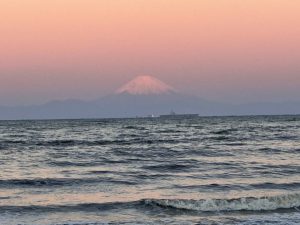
[142, 96]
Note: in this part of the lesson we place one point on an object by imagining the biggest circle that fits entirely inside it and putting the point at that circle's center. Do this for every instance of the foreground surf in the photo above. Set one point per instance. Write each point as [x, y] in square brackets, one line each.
[288, 201]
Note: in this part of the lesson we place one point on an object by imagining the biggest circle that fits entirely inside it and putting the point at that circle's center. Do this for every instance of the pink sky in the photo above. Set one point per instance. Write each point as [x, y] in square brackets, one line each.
[226, 50]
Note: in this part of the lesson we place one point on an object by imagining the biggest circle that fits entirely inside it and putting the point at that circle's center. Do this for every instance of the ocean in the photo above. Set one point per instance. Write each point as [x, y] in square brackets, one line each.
[206, 170]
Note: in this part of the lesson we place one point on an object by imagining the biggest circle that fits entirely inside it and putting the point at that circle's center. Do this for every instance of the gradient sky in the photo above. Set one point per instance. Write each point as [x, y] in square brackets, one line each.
[225, 50]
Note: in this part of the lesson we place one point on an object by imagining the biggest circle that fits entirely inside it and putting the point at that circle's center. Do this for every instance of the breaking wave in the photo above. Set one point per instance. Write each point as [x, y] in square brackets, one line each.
[280, 202]
[289, 201]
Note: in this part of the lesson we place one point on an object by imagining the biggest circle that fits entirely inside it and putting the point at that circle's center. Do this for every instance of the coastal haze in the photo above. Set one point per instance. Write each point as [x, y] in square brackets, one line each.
[143, 96]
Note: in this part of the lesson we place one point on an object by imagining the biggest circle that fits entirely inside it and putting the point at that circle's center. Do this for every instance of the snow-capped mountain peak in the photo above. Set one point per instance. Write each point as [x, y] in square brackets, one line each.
[145, 85]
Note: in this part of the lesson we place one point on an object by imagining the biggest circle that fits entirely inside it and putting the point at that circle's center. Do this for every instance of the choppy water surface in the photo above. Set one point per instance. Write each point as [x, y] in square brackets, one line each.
[222, 170]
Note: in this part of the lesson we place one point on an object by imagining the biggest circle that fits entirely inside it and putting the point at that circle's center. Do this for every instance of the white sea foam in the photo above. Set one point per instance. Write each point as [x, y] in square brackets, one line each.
[287, 201]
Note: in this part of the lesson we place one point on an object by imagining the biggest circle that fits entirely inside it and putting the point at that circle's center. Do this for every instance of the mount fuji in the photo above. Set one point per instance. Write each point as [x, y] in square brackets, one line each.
[145, 85]
[142, 96]
[146, 95]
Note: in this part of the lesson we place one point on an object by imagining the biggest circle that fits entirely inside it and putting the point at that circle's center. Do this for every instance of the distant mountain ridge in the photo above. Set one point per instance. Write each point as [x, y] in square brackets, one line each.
[142, 96]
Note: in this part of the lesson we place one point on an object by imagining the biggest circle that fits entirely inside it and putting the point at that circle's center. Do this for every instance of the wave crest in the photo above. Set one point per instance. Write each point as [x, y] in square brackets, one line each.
[288, 201]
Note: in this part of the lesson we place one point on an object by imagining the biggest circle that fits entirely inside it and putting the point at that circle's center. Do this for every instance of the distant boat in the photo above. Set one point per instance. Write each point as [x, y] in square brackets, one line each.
[175, 115]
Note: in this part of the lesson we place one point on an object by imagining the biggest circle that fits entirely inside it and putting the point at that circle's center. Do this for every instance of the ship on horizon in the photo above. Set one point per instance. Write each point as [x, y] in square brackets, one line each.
[175, 115]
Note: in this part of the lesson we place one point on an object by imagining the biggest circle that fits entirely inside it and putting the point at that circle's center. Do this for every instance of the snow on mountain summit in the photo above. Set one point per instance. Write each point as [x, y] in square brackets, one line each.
[145, 85]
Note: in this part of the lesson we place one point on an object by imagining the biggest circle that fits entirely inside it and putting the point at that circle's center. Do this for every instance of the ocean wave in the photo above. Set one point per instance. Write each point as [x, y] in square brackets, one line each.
[54, 182]
[168, 167]
[280, 202]
[85, 207]
[268, 203]
[270, 185]
[128, 140]
[225, 131]
[241, 186]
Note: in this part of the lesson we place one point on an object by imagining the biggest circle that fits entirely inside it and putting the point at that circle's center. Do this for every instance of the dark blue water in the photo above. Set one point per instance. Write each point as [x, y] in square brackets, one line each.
[218, 170]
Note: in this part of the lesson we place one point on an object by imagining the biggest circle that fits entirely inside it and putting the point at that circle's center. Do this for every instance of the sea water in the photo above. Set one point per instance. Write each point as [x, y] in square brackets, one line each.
[206, 170]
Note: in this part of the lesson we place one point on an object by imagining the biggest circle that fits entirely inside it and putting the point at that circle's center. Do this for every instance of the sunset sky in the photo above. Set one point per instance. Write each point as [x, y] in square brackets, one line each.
[225, 50]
